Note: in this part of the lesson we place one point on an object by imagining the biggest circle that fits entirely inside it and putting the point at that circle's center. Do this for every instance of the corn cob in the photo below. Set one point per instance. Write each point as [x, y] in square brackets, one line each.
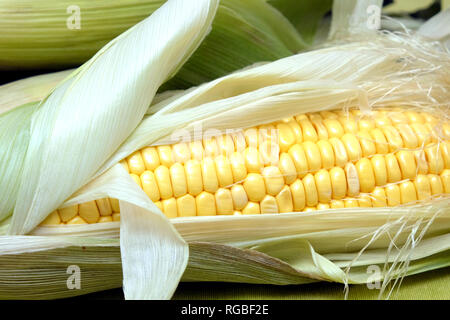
[316, 161]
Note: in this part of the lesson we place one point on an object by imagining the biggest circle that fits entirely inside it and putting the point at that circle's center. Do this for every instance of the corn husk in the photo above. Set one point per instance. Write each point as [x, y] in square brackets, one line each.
[243, 33]
[332, 245]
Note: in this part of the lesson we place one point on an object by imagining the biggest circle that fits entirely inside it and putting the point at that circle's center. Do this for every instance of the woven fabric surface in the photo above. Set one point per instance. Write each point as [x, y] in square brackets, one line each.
[432, 285]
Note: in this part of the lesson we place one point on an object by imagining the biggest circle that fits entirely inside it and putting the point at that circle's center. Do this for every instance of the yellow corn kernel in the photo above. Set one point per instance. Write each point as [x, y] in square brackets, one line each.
[251, 208]
[366, 175]
[421, 161]
[170, 207]
[422, 185]
[308, 131]
[435, 184]
[407, 163]
[393, 170]
[435, 160]
[286, 137]
[114, 205]
[340, 153]
[273, 180]
[224, 201]
[298, 195]
[105, 219]
[206, 204]
[326, 153]
[348, 123]
[239, 196]
[284, 200]
[323, 185]
[310, 190]
[178, 179]
[196, 148]
[209, 175]
[136, 163]
[379, 197]
[76, 220]
[186, 206]
[269, 205]
[151, 158]
[211, 147]
[393, 138]
[393, 195]
[165, 155]
[295, 127]
[253, 160]
[68, 213]
[104, 207]
[367, 145]
[409, 138]
[365, 201]
[255, 187]
[193, 171]
[149, 185]
[238, 167]
[89, 211]
[379, 170]
[224, 171]
[52, 219]
[321, 130]
[298, 156]
[407, 192]
[380, 141]
[162, 175]
[334, 127]
[337, 204]
[338, 183]
[181, 152]
[312, 155]
[287, 168]
[351, 203]
[352, 146]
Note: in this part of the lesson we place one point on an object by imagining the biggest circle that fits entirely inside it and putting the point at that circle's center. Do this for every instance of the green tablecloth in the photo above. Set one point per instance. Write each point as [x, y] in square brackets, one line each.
[432, 285]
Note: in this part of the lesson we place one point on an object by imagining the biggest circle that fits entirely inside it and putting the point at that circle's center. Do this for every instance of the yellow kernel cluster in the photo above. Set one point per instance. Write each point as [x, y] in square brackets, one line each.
[329, 159]
[101, 210]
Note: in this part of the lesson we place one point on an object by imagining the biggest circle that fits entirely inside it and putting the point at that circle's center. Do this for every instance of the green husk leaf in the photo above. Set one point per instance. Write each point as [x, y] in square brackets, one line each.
[32, 89]
[305, 15]
[14, 138]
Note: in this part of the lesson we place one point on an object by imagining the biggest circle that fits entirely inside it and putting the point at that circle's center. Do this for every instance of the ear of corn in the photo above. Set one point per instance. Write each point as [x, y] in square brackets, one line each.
[242, 33]
[309, 162]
